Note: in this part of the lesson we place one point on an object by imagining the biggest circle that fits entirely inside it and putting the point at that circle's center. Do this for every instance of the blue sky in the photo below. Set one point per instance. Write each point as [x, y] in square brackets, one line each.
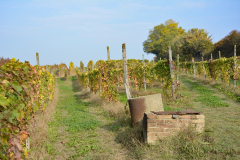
[73, 30]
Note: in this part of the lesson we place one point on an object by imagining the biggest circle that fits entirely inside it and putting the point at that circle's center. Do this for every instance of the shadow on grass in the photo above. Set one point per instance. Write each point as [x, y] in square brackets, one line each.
[76, 87]
[63, 78]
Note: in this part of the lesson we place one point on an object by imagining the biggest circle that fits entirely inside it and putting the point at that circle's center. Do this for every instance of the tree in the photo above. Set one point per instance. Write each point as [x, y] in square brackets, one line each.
[161, 37]
[195, 43]
[226, 45]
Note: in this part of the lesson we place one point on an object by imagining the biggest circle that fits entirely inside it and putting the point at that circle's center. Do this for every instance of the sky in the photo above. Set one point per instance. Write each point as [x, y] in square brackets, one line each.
[62, 31]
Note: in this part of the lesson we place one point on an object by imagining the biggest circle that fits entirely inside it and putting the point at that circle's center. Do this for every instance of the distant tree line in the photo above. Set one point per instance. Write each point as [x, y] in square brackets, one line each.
[226, 45]
[195, 42]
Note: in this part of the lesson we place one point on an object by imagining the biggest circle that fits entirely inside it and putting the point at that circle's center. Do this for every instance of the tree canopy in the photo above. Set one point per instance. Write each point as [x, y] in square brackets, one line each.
[196, 42]
[161, 37]
[226, 45]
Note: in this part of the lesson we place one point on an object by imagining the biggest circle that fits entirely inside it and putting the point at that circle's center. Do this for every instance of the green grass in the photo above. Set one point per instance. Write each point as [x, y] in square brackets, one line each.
[227, 91]
[206, 96]
[223, 87]
[232, 82]
[122, 97]
[77, 125]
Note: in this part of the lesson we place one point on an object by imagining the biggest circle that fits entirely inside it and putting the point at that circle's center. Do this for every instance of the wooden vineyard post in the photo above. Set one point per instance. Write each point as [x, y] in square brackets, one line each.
[171, 71]
[81, 66]
[219, 54]
[37, 57]
[58, 72]
[88, 81]
[117, 77]
[126, 83]
[177, 67]
[204, 69]
[100, 79]
[144, 80]
[160, 58]
[186, 65]
[27, 143]
[211, 56]
[235, 67]
[194, 71]
[108, 54]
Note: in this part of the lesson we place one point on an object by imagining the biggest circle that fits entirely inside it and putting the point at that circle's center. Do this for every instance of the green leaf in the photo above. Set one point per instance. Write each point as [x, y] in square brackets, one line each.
[15, 114]
[4, 139]
[3, 67]
[9, 119]
[25, 70]
[16, 86]
[25, 85]
[3, 101]
[36, 106]
[21, 105]
[1, 115]
[11, 99]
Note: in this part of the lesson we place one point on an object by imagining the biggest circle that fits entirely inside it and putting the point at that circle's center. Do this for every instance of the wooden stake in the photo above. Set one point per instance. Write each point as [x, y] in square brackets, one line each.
[204, 69]
[126, 83]
[235, 56]
[194, 71]
[177, 67]
[108, 54]
[37, 57]
[211, 56]
[100, 79]
[88, 80]
[219, 54]
[186, 65]
[171, 71]
[144, 80]
[117, 77]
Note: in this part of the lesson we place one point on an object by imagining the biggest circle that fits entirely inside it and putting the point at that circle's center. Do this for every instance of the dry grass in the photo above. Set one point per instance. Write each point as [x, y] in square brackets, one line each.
[38, 129]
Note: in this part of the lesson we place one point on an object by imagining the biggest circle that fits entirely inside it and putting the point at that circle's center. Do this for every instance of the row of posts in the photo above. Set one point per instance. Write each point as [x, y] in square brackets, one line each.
[126, 83]
[219, 53]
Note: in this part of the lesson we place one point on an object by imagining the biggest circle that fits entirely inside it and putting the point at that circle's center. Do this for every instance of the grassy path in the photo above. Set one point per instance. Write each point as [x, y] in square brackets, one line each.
[79, 130]
[221, 114]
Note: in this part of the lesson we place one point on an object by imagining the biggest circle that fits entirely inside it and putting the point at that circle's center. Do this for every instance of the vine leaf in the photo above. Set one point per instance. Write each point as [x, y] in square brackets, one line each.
[14, 114]
[16, 86]
[3, 101]
[36, 106]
